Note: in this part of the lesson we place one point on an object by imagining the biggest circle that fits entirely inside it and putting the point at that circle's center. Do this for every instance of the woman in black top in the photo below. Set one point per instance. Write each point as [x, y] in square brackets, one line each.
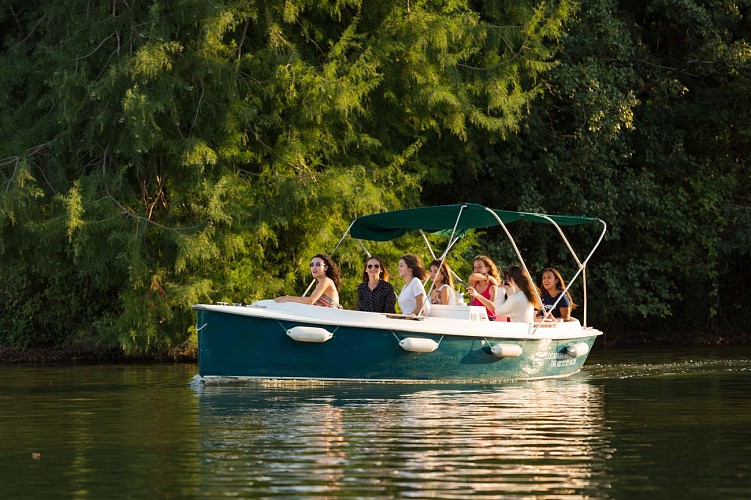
[375, 293]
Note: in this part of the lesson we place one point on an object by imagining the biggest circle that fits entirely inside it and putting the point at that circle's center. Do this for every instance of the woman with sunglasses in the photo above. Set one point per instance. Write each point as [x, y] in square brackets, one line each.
[326, 292]
[375, 293]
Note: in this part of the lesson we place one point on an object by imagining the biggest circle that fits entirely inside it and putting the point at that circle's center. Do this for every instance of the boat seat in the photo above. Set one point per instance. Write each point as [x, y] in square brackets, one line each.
[474, 313]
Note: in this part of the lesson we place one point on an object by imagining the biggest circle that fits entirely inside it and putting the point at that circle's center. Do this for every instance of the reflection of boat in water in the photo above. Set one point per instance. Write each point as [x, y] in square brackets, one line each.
[453, 343]
[535, 438]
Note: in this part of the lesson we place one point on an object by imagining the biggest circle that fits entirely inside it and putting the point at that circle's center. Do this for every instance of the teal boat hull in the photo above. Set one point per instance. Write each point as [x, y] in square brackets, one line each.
[240, 345]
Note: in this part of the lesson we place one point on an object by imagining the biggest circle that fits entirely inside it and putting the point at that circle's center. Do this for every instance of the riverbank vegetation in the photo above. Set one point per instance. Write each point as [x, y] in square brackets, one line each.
[154, 155]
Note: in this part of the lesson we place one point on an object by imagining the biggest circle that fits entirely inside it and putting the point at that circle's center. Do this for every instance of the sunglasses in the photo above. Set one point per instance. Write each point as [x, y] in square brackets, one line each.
[316, 264]
[374, 266]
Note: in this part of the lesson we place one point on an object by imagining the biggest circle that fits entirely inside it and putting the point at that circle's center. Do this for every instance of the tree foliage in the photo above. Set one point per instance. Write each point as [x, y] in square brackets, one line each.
[644, 123]
[158, 154]
[155, 155]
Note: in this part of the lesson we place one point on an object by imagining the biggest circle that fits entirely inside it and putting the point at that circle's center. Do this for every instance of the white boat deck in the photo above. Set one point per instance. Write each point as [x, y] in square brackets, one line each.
[460, 320]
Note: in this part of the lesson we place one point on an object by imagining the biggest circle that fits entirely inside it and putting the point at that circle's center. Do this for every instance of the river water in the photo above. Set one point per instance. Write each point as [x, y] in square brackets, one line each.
[669, 424]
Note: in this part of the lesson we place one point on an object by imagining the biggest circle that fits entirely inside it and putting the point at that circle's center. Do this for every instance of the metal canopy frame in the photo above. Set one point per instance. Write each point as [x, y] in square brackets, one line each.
[387, 226]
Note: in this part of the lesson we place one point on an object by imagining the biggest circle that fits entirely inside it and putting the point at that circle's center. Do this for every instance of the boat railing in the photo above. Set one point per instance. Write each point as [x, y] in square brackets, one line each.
[580, 264]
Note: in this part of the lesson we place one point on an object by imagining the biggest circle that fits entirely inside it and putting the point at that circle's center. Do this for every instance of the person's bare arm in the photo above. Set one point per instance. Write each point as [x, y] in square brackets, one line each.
[565, 313]
[489, 304]
[420, 300]
[310, 299]
[443, 295]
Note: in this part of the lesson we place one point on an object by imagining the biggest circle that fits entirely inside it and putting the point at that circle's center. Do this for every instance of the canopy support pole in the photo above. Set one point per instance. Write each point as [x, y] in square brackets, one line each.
[524, 264]
[581, 269]
[452, 240]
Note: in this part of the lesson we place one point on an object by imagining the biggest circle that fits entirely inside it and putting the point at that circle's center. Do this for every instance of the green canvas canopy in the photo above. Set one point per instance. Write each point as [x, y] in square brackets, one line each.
[389, 225]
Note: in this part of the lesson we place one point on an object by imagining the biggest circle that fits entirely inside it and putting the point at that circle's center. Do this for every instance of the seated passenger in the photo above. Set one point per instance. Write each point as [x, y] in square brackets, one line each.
[483, 284]
[443, 285]
[375, 293]
[504, 288]
[326, 293]
[412, 300]
[522, 300]
[552, 288]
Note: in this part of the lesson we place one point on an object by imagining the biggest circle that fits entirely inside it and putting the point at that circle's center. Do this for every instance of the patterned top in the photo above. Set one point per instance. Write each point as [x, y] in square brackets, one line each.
[326, 301]
[437, 298]
[381, 299]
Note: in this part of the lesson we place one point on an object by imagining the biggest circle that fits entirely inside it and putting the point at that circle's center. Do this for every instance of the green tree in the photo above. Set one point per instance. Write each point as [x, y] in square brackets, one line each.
[155, 155]
[645, 124]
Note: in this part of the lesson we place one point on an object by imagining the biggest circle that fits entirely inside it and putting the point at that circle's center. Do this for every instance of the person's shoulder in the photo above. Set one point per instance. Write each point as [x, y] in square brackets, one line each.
[416, 285]
[387, 285]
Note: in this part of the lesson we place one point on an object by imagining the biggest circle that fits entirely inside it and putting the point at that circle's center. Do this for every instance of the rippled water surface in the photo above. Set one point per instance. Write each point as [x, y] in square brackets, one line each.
[632, 424]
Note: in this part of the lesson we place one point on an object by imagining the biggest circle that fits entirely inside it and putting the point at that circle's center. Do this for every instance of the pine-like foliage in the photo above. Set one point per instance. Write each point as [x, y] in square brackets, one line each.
[158, 154]
[645, 123]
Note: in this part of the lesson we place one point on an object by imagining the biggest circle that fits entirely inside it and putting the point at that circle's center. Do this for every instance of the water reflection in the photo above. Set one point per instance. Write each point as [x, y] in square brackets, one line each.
[535, 438]
[634, 424]
[96, 431]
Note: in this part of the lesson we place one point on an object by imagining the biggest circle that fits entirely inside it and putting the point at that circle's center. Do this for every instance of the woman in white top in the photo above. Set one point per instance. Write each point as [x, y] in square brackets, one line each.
[412, 299]
[443, 285]
[522, 300]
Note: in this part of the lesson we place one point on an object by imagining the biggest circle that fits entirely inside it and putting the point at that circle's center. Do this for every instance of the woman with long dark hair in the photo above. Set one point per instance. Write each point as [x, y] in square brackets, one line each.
[443, 284]
[552, 288]
[522, 300]
[375, 293]
[326, 292]
[412, 298]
